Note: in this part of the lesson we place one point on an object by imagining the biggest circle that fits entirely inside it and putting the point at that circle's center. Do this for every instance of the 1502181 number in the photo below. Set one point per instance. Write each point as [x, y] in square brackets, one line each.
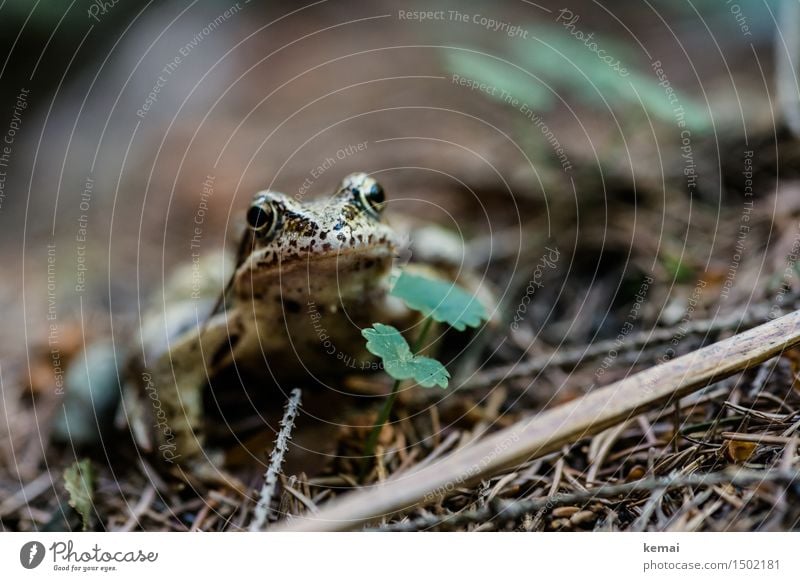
[755, 564]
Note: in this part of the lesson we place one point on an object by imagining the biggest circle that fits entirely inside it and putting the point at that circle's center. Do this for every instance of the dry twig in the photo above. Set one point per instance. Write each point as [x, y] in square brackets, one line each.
[262, 509]
[573, 357]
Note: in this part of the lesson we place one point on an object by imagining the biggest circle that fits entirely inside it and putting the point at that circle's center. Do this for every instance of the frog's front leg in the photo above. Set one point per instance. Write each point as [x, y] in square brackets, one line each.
[180, 376]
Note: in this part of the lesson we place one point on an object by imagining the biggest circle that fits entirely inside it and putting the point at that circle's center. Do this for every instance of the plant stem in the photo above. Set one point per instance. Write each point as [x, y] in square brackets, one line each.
[369, 447]
[426, 326]
[372, 440]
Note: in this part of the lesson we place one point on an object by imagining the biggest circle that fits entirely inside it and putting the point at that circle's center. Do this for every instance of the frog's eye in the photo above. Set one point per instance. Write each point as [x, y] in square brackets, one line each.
[262, 217]
[372, 197]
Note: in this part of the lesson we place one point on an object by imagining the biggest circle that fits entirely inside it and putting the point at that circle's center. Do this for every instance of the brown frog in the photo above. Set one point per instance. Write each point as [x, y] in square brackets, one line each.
[309, 277]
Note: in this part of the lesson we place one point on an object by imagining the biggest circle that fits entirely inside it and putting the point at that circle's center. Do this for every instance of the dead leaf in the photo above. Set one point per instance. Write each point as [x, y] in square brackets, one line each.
[738, 451]
[79, 482]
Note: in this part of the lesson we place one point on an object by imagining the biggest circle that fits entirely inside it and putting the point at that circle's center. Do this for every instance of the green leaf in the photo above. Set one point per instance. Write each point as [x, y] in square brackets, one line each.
[502, 76]
[552, 60]
[387, 343]
[79, 482]
[558, 58]
[445, 302]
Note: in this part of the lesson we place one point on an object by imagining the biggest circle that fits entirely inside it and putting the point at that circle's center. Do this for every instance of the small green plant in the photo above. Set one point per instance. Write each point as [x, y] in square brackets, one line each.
[79, 480]
[387, 343]
[437, 300]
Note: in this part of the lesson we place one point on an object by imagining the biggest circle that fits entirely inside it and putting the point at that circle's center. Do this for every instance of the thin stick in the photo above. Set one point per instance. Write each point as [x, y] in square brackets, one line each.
[510, 510]
[262, 509]
[573, 357]
[548, 431]
[27, 493]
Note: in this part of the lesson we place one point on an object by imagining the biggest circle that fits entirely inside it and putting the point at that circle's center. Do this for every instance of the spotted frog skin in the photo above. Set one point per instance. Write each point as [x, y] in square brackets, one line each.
[309, 277]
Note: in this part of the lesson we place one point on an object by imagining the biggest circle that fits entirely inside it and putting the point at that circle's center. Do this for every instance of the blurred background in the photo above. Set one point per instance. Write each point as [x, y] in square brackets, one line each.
[644, 140]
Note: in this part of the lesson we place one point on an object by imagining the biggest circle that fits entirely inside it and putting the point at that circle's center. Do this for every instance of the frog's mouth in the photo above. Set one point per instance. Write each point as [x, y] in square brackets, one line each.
[359, 261]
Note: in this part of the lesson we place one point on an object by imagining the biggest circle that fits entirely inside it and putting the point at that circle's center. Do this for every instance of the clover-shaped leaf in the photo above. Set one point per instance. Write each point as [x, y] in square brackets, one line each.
[387, 343]
[445, 302]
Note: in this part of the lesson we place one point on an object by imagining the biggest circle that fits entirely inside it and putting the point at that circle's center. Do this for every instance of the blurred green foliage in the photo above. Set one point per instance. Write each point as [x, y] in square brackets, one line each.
[677, 269]
[552, 65]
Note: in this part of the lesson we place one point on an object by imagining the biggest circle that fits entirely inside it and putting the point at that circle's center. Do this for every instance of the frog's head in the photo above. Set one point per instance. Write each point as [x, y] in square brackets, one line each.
[340, 243]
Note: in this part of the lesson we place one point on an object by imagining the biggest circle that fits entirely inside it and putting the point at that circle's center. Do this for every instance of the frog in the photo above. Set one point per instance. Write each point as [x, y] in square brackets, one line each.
[308, 277]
